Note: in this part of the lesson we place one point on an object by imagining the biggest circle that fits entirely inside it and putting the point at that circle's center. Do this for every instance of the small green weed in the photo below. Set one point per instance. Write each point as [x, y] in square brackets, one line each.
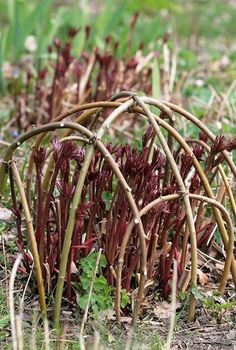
[102, 295]
[217, 304]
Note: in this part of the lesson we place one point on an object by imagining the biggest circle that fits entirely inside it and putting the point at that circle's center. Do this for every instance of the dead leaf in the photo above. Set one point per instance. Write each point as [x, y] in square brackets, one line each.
[219, 266]
[163, 310]
[6, 215]
[231, 334]
[73, 268]
[110, 315]
[125, 319]
[202, 277]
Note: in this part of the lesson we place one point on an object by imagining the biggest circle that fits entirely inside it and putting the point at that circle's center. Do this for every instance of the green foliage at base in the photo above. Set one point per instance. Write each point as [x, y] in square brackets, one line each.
[102, 295]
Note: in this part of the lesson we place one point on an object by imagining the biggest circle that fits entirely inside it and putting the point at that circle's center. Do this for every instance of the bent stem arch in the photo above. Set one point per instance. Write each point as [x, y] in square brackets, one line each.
[76, 199]
[203, 127]
[220, 170]
[165, 108]
[196, 164]
[186, 201]
[139, 105]
[88, 110]
[222, 173]
[200, 173]
[69, 230]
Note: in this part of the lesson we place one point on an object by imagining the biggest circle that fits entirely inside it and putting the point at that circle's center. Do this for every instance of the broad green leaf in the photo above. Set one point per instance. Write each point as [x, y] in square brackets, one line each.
[83, 300]
[103, 261]
[100, 283]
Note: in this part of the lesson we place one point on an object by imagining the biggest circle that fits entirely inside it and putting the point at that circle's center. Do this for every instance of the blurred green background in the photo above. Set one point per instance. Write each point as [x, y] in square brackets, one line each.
[202, 32]
[200, 22]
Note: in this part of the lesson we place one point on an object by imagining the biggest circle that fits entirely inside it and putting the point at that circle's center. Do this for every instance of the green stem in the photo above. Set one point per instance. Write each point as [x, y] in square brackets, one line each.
[96, 140]
[68, 236]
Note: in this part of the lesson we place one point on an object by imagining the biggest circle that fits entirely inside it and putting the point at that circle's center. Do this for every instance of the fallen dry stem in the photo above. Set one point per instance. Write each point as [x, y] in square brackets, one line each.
[11, 301]
[173, 306]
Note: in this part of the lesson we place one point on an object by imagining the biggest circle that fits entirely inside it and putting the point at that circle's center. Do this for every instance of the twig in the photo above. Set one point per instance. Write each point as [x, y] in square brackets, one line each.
[24, 291]
[128, 344]
[5, 265]
[11, 300]
[61, 338]
[33, 342]
[19, 318]
[173, 70]
[173, 306]
[19, 332]
[96, 345]
[46, 334]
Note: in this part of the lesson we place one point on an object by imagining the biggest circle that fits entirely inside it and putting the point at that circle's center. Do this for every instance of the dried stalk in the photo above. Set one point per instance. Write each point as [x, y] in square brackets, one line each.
[173, 306]
[19, 332]
[11, 301]
[32, 240]
[46, 334]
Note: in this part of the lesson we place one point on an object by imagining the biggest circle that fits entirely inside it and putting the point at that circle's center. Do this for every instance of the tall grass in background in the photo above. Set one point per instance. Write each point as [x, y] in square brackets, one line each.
[47, 19]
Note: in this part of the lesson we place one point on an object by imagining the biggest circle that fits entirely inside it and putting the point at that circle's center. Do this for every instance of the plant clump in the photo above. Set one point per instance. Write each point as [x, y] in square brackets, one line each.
[143, 207]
